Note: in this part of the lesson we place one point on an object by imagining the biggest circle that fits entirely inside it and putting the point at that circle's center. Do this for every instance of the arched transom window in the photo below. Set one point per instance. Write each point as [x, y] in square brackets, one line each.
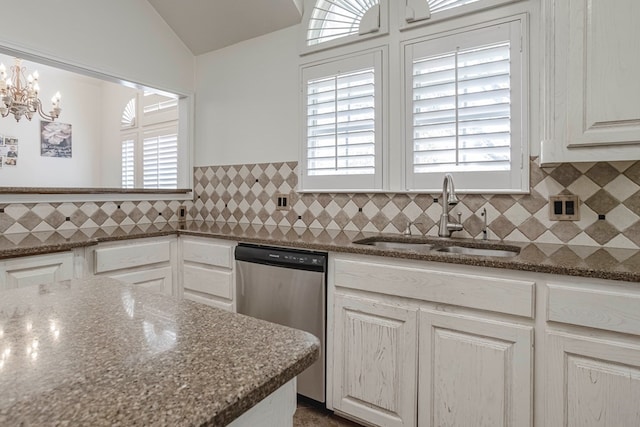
[334, 19]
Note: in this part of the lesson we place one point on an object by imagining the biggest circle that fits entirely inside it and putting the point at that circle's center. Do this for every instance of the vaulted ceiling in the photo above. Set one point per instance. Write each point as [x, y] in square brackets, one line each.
[207, 25]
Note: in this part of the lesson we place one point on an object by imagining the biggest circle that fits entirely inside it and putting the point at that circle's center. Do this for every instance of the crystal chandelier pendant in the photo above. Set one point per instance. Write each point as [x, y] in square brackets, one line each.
[19, 94]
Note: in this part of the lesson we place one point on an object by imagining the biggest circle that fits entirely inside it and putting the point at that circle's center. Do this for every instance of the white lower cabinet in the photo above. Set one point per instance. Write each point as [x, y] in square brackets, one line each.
[592, 353]
[411, 348]
[148, 262]
[374, 371]
[592, 382]
[207, 267]
[473, 371]
[36, 270]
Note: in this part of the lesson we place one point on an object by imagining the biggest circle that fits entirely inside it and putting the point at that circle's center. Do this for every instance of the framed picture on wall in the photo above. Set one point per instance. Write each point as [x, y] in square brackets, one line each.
[9, 151]
[55, 139]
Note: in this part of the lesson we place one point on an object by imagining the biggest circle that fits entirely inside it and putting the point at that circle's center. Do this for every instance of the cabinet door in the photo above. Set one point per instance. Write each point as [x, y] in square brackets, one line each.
[156, 279]
[474, 372]
[37, 270]
[374, 376]
[604, 60]
[592, 382]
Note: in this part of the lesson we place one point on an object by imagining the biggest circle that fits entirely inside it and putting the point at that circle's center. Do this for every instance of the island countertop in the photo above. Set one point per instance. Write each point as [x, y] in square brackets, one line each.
[100, 352]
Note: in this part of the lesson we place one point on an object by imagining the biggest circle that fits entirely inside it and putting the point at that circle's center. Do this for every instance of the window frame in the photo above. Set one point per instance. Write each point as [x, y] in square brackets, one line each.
[332, 66]
[517, 180]
[445, 15]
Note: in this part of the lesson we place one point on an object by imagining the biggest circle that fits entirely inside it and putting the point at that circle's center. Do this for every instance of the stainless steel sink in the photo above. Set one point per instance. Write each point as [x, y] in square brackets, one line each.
[463, 250]
[407, 246]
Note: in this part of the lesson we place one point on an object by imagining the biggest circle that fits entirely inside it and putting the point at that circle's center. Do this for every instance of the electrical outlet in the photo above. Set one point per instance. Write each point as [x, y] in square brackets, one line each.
[282, 202]
[564, 207]
[182, 213]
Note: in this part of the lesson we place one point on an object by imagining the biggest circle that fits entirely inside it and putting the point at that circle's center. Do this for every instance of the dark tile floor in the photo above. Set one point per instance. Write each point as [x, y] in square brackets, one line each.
[308, 415]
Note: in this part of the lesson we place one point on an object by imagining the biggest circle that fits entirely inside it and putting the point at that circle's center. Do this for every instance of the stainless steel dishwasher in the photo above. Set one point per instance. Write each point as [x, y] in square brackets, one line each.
[286, 286]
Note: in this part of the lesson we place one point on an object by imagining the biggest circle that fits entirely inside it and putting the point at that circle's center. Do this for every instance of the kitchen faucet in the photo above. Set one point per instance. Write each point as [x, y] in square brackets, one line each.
[449, 198]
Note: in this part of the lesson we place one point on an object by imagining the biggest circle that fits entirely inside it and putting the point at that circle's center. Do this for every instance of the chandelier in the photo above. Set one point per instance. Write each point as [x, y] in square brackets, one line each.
[19, 95]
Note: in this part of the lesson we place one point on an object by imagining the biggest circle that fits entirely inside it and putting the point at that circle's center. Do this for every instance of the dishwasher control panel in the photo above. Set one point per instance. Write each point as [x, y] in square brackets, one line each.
[285, 257]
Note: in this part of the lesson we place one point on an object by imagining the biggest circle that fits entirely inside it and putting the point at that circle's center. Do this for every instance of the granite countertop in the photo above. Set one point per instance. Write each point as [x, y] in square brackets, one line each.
[583, 261]
[100, 352]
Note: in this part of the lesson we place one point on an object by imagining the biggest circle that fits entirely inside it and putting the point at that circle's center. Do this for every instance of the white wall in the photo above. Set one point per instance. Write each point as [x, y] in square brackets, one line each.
[122, 38]
[82, 108]
[247, 103]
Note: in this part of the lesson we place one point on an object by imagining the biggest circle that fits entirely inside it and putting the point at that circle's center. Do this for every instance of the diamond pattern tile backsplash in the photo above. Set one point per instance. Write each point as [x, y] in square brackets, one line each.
[34, 217]
[609, 204]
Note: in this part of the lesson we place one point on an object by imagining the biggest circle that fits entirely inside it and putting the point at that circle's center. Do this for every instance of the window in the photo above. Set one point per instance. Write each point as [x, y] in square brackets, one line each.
[428, 11]
[343, 138]
[465, 94]
[450, 97]
[334, 22]
[150, 145]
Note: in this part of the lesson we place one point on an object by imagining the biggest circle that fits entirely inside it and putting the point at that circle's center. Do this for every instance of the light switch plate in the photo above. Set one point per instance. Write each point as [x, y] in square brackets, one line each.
[282, 202]
[564, 207]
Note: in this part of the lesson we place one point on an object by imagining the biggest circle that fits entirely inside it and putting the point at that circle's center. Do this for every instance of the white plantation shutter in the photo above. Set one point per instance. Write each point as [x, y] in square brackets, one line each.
[437, 6]
[160, 158]
[342, 129]
[425, 12]
[128, 147]
[341, 124]
[157, 108]
[465, 95]
[334, 19]
[462, 109]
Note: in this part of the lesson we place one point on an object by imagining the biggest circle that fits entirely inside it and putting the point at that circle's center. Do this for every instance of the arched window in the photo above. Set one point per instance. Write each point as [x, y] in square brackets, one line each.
[129, 115]
[334, 22]
[334, 19]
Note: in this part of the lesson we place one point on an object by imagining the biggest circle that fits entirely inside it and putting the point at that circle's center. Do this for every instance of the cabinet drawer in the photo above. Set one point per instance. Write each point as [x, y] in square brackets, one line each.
[117, 258]
[612, 309]
[207, 281]
[157, 280]
[483, 292]
[36, 270]
[207, 253]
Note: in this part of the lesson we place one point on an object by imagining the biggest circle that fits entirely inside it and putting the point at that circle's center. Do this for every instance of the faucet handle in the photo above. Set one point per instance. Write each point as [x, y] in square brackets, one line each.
[459, 217]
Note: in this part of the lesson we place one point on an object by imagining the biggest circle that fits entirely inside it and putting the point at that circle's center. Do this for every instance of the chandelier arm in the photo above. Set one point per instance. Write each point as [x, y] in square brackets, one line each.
[43, 114]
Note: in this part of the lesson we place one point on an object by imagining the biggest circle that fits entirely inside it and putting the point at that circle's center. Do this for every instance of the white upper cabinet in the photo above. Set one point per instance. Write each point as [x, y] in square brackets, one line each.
[593, 113]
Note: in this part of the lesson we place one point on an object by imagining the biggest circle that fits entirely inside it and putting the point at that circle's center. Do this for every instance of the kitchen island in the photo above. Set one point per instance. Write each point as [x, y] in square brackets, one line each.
[100, 352]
